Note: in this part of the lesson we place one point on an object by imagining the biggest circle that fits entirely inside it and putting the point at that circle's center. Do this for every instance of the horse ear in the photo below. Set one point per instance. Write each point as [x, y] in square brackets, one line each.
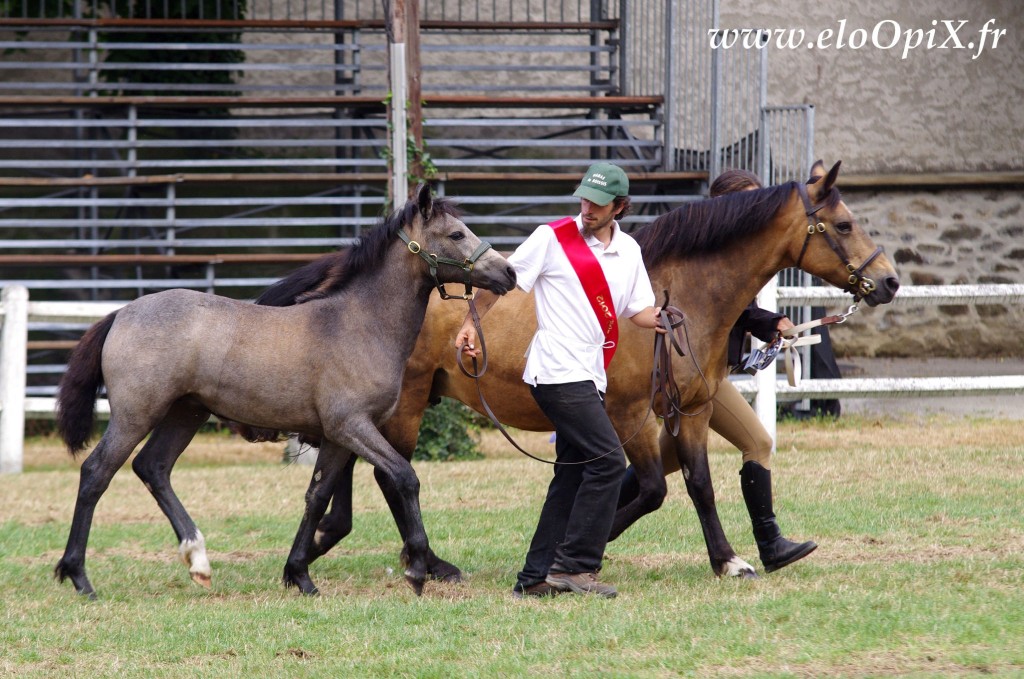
[817, 172]
[425, 201]
[823, 187]
[830, 180]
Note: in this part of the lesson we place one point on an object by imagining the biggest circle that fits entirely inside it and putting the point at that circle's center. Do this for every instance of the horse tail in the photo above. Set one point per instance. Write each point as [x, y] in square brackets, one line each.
[76, 395]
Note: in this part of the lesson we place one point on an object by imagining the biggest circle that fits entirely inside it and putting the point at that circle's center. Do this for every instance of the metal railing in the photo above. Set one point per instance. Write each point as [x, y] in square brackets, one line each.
[319, 10]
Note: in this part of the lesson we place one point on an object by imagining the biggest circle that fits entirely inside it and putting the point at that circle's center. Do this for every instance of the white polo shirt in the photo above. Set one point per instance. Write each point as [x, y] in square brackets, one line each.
[568, 346]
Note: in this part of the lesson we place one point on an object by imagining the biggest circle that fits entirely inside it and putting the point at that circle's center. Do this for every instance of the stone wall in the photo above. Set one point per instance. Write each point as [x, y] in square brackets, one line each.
[947, 237]
[937, 110]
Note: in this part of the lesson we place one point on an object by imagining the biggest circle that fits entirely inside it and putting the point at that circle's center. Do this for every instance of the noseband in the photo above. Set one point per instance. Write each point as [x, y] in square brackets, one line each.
[433, 261]
[857, 284]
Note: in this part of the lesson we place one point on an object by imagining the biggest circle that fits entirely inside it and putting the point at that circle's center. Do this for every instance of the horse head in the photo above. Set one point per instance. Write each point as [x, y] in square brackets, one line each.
[834, 247]
[452, 253]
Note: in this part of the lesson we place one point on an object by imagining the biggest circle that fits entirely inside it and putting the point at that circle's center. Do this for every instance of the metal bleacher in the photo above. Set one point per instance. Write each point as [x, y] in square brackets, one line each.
[140, 183]
[141, 151]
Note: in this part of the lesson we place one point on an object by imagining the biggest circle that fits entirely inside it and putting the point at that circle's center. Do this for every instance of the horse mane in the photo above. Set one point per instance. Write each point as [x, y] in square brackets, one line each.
[710, 225]
[330, 274]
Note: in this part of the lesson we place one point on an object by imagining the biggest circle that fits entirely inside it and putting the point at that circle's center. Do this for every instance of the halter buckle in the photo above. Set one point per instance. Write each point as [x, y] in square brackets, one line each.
[414, 247]
[820, 227]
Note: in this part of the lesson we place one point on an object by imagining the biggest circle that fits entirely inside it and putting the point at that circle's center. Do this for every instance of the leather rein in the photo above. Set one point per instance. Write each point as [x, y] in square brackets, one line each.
[664, 394]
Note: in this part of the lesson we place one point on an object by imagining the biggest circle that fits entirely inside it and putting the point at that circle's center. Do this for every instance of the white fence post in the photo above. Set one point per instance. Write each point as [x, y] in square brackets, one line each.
[13, 340]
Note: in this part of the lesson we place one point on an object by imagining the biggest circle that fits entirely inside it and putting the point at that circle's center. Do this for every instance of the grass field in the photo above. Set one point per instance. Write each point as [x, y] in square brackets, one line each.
[920, 570]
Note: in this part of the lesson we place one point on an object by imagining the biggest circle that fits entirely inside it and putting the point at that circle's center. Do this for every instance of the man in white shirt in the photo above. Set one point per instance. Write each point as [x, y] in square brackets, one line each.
[584, 273]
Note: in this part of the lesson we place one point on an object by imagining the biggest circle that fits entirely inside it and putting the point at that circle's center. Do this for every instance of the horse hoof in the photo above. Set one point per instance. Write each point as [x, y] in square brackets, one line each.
[737, 568]
[445, 572]
[201, 579]
[452, 578]
[415, 582]
[303, 584]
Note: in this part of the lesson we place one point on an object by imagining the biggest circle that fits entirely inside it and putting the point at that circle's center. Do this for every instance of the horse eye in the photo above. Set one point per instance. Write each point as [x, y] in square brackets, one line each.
[844, 227]
[458, 235]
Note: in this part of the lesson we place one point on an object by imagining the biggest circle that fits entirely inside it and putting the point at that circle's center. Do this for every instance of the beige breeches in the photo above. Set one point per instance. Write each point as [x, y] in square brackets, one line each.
[735, 420]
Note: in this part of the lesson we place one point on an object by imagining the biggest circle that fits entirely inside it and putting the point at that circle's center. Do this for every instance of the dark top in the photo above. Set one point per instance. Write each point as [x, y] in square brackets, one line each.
[758, 322]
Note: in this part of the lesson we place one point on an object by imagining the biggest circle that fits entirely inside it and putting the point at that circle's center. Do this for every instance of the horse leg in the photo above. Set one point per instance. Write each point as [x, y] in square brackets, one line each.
[402, 432]
[437, 568]
[337, 522]
[398, 474]
[330, 465]
[690, 448]
[98, 469]
[153, 466]
[643, 486]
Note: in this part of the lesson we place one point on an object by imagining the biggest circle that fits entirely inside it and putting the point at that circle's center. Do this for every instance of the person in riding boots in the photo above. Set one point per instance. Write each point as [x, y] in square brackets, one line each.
[585, 272]
[735, 420]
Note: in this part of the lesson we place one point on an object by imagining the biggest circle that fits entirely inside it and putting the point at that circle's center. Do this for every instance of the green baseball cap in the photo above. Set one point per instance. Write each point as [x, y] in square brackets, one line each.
[603, 183]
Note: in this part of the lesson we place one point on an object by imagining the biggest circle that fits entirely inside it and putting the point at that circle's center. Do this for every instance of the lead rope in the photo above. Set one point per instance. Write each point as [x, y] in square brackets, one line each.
[790, 339]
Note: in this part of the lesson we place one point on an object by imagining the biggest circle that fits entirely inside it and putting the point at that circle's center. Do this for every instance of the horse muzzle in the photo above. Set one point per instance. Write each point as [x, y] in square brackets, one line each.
[883, 291]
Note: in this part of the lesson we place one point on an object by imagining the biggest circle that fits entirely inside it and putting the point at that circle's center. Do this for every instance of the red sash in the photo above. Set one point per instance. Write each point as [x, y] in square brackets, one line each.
[591, 276]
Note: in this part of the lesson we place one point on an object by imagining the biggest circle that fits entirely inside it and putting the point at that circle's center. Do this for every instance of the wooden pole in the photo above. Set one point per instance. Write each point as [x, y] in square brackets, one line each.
[415, 92]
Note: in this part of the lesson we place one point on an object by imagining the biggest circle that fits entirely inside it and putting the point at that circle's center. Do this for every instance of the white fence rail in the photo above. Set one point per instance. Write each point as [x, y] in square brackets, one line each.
[16, 310]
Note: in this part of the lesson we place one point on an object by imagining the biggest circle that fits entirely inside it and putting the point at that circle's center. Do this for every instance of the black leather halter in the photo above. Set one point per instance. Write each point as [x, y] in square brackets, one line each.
[857, 284]
[433, 260]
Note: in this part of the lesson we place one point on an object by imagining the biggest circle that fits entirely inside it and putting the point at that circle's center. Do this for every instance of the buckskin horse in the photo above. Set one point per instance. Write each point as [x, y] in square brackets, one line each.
[712, 257]
[329, 368]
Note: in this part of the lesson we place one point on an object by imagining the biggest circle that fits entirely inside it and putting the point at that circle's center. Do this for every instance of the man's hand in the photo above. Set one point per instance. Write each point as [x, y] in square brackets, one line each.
[466, 339]
[649, 318]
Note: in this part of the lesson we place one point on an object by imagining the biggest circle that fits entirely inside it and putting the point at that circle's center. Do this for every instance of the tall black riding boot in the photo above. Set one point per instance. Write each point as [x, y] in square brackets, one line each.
[775, 550]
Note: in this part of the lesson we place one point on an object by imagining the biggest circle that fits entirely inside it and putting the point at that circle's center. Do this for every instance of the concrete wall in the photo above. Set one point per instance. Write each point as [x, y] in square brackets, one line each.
[937, 110]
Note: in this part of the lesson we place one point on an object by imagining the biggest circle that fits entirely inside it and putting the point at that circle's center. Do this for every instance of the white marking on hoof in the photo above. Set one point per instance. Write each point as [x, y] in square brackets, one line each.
[201, 580]
[193, 554]
[738, 568]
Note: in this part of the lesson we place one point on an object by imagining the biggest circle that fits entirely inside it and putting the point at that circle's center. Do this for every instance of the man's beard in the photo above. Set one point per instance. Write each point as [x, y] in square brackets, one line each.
[590, 231]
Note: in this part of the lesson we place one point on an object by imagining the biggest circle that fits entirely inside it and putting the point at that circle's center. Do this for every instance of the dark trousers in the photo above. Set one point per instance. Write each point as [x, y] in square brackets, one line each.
[577, 515]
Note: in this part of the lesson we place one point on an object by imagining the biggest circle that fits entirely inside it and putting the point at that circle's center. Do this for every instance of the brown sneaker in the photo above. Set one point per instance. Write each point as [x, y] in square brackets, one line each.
[539, 589]
[581, 583]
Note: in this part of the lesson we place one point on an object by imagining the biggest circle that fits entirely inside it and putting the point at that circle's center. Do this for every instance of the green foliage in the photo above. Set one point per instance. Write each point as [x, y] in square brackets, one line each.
[192, 9]
[449, 431]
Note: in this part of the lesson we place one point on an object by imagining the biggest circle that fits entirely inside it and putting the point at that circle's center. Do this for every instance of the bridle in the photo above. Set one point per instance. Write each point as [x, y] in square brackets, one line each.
[434, 260]
[857, 284]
